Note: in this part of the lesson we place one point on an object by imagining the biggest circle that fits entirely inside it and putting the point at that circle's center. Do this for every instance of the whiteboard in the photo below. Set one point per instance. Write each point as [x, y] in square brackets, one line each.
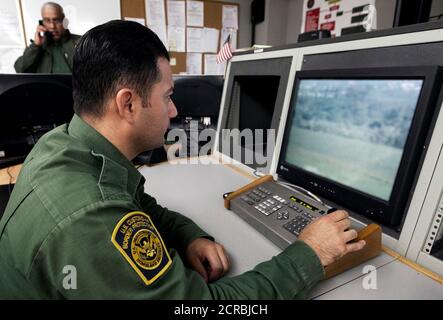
[82, 15]
[10, 24]
[12, 40]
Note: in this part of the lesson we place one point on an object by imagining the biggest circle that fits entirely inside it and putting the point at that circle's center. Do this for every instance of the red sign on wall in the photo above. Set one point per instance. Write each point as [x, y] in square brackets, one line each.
[328, 26]
[312, 18]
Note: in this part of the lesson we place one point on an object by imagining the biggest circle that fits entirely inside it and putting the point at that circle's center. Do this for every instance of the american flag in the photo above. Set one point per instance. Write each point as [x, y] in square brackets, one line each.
[225, 52]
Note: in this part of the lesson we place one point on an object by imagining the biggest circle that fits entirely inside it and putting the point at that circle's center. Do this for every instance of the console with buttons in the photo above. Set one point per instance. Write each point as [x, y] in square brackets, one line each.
[276, 211]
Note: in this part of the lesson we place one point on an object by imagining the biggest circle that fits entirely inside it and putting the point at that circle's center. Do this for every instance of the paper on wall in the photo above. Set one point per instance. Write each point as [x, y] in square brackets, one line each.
[155, 12]
[194, 13]
[194, 63]
[194, 38]
[212, 67]
[176, 39]
[176, 13]
[210, 40]
[230, 17]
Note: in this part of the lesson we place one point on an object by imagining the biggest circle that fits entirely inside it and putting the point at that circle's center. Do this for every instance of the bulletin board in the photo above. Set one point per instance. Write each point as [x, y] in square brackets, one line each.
[136, 10]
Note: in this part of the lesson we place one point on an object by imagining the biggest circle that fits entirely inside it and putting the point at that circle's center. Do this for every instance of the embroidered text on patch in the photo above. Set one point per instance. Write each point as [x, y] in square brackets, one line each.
[136, 237]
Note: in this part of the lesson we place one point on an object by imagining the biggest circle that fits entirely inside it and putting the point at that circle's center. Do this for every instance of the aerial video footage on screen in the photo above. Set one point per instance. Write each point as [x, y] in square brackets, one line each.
[353, 125]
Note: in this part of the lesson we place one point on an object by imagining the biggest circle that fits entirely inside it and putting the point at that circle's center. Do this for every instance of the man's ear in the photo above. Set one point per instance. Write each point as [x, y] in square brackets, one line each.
[65, 23]
[124, 102]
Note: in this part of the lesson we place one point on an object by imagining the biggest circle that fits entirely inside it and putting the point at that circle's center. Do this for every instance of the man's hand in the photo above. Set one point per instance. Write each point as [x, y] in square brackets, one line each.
[207, 258]
[328, 236]
[38, 39]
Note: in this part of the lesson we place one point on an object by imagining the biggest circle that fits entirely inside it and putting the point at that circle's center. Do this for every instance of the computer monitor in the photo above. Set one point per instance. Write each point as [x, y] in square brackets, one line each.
[252, 105]
[31, 105]
[197, 95]
[356, 137]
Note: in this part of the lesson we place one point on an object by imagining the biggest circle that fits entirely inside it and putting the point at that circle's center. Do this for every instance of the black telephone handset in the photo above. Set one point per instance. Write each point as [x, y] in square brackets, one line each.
[48, 35]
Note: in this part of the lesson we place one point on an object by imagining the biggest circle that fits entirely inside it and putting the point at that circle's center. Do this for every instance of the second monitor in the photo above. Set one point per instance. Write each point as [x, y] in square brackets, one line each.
[253, 103]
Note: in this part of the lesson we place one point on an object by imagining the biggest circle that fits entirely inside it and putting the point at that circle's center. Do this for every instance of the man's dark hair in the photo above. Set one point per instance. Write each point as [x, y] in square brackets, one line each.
[111, 56]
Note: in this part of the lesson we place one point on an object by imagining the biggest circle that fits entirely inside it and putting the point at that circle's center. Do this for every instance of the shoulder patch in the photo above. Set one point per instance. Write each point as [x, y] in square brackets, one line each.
[137, 239]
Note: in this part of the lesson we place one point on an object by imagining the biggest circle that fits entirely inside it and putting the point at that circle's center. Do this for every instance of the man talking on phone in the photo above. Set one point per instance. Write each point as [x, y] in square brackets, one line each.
[52, 48]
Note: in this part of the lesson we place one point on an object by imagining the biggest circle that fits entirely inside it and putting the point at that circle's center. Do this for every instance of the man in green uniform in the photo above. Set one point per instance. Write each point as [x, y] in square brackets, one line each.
[52, 49]
[79, 225]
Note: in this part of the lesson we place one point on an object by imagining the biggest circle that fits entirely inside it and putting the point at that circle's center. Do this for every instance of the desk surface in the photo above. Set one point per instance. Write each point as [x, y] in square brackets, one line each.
[196, 190]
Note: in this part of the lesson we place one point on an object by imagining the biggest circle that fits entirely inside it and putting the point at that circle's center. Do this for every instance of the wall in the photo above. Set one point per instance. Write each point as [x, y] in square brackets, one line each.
[272, 31]
[295, 16]
[436, 8]
[283, 20]
[385, 13]
[278, 15]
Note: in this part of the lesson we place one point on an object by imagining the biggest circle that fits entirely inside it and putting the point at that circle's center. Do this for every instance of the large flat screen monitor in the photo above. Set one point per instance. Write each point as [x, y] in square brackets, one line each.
[356, 136]
[31, 105]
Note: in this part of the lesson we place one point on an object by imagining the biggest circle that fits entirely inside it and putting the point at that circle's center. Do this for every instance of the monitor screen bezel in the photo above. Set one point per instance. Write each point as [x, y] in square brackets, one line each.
[389, 212]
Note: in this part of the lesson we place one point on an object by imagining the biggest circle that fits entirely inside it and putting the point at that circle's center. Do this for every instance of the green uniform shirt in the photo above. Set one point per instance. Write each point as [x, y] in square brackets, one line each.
[79, 225]
[59, 60]
[52, 57]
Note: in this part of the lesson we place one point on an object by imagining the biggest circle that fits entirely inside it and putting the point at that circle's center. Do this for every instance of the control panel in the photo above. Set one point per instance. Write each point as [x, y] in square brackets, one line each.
[276, 211]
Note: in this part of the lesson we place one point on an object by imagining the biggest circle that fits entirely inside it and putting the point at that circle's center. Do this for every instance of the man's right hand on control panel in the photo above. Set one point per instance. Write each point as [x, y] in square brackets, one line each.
[329, 237]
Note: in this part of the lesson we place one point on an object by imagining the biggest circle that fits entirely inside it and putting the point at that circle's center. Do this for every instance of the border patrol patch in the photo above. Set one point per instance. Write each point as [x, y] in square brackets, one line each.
[136, 237]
